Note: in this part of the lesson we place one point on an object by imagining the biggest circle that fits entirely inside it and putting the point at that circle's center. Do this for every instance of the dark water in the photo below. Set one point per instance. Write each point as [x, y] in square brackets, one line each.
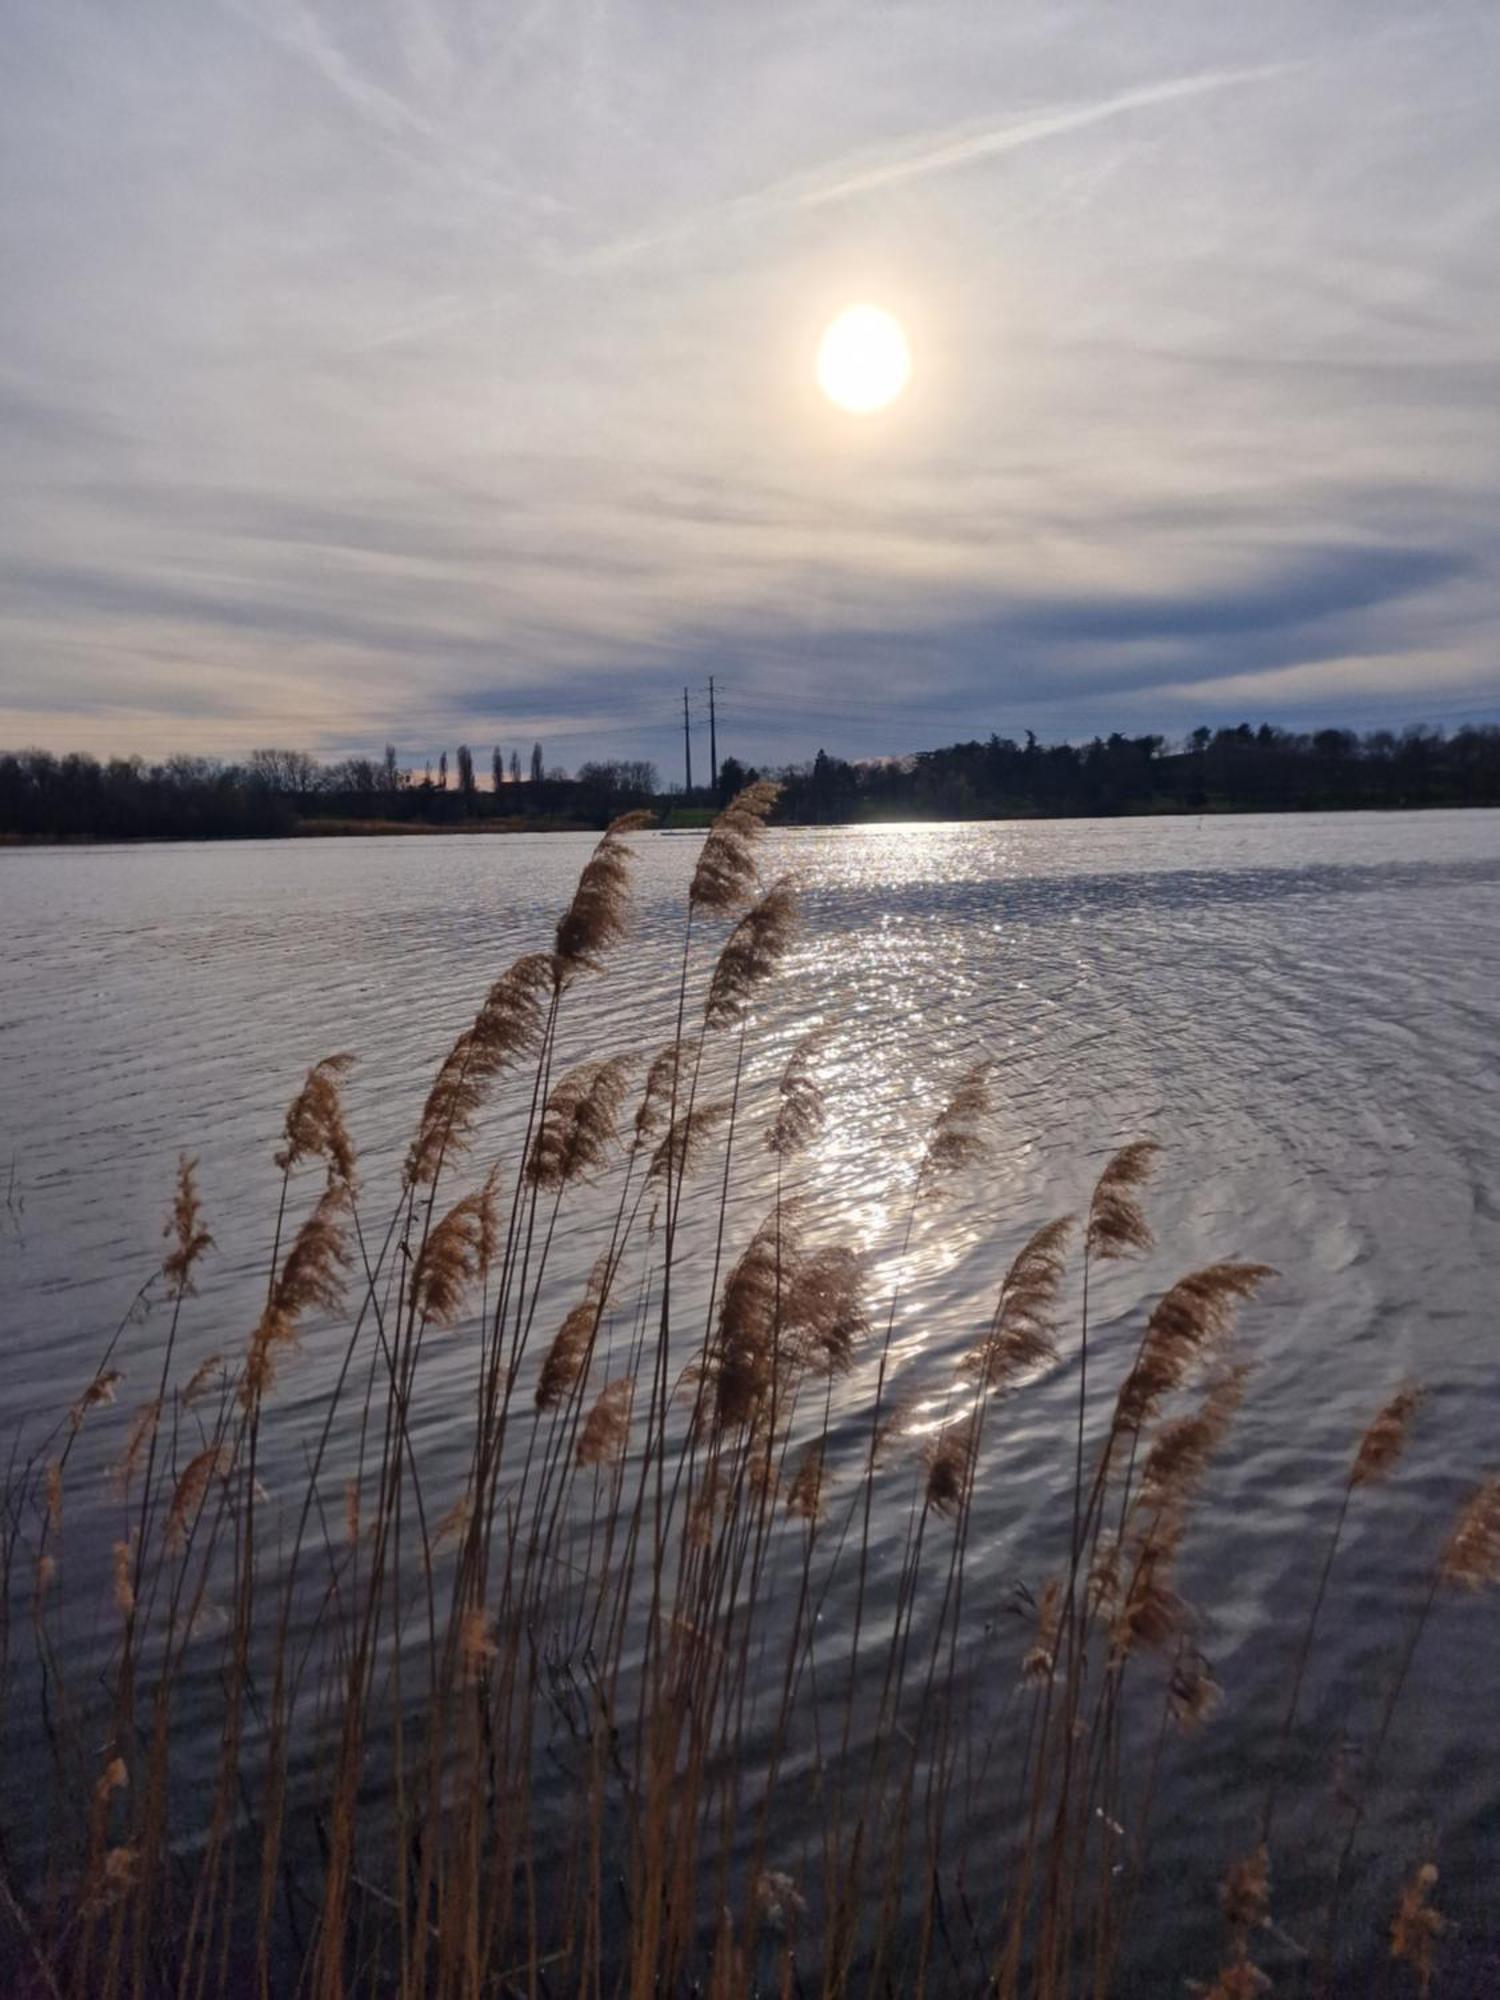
[1303, 1012]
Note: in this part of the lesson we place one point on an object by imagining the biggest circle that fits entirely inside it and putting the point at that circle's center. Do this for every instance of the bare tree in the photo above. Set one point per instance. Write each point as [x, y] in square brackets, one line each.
[443, 771]
[536, 763]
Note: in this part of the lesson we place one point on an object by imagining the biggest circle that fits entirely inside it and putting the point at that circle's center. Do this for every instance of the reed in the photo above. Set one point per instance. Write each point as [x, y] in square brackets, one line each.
[637, 1690]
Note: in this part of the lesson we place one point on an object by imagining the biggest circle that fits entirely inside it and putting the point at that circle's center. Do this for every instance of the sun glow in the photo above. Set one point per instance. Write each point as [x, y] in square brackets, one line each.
[863, 360]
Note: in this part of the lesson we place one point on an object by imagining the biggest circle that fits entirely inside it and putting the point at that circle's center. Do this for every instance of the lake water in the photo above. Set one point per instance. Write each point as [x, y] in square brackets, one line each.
[1304, 1012]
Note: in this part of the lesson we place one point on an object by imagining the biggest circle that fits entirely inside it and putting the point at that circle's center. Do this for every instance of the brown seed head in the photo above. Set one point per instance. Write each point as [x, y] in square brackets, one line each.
[1192, 1692]
[823, 1309]
[744, 1358]
[455, 1256]
[607, 1426]
[190, 1492]
[1022, 1334]
[201, 1376]
[185, 1227]
[123, 1563]
[956, 1139]
[1245, 1892]
[681, 1149]
[596, 917]
[949, 1458]
[102, 1389]
[1187, 1322]
[1041, 1657]
[314, 1127]
[800, 1107]
[1471, 1557]
[573, 1342]
[725, 875]
[665, 1090]
[751, 954]
[142, 1429]
[578, 1124]
[1417, 1926]
[1117, 1223]
[804, 1499]
[507, 1026]
[1383, 1443]
[1181, 1450]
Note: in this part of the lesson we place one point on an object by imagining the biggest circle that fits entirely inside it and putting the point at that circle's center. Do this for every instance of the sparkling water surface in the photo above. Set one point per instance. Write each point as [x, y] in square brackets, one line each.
[1302, 1011]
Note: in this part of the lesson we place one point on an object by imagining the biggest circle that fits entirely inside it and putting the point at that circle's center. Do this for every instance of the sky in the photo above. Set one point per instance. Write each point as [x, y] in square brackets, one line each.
[430, 371]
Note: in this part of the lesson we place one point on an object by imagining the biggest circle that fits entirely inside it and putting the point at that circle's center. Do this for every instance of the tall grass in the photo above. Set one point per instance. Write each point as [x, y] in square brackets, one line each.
[647, 1705]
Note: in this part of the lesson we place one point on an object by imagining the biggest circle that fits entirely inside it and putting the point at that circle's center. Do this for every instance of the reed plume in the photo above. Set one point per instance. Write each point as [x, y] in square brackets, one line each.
[1187, 1322]
[455, 1256]
[597, 916]
[311, 1278]
[200, 1378]
[1041, 1656]
[1181, 1450]
[142, 1429]
[949, 1459]
[103, 1389]
[1417, 1926]
[563, 1362]
[190, 1491]
[801, 1106]
[824, 1308]
[185, 1227]
[607, 1426]
[1022, 1334]
[1192, 1692]
[314, 1126]
[122, 1562]
[54, 1495]
[1471, 1556]
[681, 1149]
[1383, 1443]
[956, 1138]
[477, 1645]
[805, 1496]
[750, 954]
[725, 875]
[743, 1361]
[1151, 1614]
[507, 1027]
[1117, 1223]
[665, 1086]
[1244, 1897]
[578, 1124]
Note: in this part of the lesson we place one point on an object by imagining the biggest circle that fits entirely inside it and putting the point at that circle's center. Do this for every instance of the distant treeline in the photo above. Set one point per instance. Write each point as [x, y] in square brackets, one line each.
[1224, 770]
[278, 792]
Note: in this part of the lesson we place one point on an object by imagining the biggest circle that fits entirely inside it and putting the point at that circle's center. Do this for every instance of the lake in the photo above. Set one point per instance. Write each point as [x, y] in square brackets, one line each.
[1303, 1011]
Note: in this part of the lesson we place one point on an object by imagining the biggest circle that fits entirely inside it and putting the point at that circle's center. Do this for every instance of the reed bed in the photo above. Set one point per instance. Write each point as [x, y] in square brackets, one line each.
[589, 1724]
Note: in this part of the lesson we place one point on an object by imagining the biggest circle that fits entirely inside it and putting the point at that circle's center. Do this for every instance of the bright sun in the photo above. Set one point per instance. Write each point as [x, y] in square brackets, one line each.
[863, 360]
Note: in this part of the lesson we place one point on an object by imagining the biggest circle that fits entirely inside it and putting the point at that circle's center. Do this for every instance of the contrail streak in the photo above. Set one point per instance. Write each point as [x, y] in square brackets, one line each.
[932, 153]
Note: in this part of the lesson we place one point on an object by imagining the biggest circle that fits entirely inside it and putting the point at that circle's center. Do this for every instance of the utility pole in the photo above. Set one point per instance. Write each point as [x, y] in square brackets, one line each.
[713, 744]
[687, 746]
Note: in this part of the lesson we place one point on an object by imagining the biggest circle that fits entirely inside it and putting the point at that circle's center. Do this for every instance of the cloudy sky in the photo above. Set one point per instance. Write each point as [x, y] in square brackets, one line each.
[441, 369]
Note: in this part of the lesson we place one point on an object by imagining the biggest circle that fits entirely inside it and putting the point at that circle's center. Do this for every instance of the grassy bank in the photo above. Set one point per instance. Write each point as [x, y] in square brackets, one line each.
[642, 1702]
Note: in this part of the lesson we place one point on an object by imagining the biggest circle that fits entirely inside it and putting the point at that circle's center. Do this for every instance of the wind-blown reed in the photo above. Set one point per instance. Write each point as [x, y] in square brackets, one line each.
[624, 1714]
